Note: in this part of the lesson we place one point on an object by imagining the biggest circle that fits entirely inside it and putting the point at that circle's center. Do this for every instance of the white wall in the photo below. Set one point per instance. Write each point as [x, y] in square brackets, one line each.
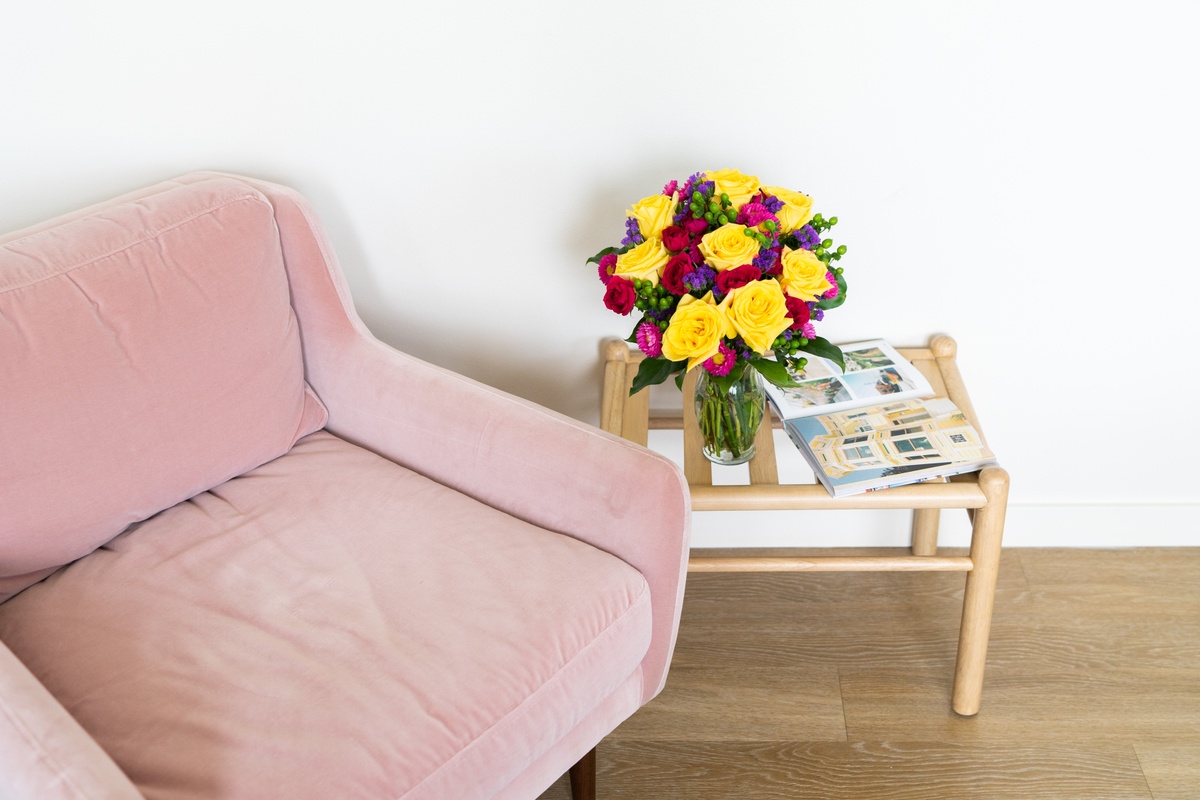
[1021, 175]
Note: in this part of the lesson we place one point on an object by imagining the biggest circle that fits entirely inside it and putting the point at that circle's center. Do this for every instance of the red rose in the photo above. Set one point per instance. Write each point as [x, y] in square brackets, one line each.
[732, 279]
[620, 295]
[675, 238]
[798, 310]
[695, 225]
[672, 277]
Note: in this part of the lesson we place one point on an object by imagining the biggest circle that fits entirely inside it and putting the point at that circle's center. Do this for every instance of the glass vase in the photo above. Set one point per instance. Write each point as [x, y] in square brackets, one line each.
[729, 413]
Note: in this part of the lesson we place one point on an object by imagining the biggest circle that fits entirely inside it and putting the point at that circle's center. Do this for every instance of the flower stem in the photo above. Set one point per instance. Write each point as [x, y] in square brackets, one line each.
[729, 419]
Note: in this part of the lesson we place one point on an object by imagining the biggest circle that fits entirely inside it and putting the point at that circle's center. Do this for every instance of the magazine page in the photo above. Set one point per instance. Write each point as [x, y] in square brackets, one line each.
[875, 373]
[888, 445]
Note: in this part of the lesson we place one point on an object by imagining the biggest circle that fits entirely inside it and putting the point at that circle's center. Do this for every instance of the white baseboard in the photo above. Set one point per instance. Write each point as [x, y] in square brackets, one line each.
[1025, 526]
[1041, 525]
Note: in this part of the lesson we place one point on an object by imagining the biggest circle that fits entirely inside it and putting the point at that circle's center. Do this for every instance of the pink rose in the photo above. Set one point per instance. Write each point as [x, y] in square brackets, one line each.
[620, 295]
[695, 226]
[798, 310]
[735, 278]
[675, 238]
[672, 277]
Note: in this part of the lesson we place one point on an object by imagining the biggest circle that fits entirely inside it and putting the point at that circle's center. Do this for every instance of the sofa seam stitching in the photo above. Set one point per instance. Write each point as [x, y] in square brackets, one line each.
[149, 236]
[44, 755]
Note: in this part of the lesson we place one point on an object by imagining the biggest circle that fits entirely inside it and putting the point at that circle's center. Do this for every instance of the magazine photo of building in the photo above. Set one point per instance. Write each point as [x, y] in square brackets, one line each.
[889, 444]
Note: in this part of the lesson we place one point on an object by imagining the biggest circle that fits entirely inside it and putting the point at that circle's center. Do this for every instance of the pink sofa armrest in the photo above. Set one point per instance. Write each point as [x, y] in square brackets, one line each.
[519, 457]
[44, 753]
[514, 455]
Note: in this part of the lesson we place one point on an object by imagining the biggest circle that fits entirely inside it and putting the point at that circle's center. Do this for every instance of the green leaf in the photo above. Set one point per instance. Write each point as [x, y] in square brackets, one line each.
[596, 258]
[722, 382]
[823, 348]
[773, 371]
[827, 303]
[652, 371]
[632, 338]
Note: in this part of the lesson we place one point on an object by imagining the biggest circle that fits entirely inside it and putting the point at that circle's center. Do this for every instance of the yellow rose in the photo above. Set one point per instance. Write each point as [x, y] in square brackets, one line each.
[803, 274]
[728, 247]
[654, 213]
[696, 330]
[739, 187]
[758, 312]
[797, 207]
[646, 261]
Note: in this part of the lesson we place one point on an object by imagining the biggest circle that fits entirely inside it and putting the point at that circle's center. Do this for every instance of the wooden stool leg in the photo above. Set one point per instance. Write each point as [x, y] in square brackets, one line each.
[925, 531]
[583, 777]
[980, 595]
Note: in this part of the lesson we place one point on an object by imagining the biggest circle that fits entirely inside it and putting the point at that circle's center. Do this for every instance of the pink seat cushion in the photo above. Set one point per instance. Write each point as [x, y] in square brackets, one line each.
[331, 625]
[148, 351]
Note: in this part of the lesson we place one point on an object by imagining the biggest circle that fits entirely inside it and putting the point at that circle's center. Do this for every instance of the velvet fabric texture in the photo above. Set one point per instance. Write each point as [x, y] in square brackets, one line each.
[139, 368]
[392, 636]
[449, 592]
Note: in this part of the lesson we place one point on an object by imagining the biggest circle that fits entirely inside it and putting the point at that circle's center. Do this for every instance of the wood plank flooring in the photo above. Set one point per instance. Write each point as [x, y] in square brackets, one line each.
[838, 686]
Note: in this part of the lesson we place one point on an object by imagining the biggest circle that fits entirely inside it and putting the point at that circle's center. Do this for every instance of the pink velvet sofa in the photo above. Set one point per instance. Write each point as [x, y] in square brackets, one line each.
[248, 551]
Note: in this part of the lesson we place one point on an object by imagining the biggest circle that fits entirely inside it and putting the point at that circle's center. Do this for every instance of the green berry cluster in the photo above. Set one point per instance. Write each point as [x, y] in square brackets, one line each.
[797, 365]
[651, 297]
[789, 347]
[825, 250]
[765, 240]
[713, 210]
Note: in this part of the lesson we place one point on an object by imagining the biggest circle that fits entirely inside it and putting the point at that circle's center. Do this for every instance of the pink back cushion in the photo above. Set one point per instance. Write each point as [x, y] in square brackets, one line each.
[148, 352]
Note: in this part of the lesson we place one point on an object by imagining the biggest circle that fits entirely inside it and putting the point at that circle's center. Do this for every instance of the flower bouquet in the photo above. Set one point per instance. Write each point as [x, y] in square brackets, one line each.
[728, 275]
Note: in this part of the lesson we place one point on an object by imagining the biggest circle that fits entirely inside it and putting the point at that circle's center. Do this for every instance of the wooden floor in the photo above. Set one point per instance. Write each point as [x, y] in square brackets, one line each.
[838, 686]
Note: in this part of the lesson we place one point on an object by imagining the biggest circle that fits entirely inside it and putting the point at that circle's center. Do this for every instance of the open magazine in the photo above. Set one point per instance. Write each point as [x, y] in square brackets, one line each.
[875, 373]
[890, 444]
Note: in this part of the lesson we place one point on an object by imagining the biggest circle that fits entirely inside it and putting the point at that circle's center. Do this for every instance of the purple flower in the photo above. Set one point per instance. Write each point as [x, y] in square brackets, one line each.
[773, 204]
[765, 259]
[633, 234]
[649, 340]
[700, 278]
[807, 237]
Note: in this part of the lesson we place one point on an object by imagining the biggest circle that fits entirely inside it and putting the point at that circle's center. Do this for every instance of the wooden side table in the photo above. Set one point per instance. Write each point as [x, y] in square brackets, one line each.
[983, 494]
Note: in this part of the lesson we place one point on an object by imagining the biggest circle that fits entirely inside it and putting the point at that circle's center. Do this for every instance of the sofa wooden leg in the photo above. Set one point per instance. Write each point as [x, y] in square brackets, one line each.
[583, 777]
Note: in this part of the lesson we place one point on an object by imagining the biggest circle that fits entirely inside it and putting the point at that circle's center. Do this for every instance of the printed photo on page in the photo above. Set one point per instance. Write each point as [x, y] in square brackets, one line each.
[875, 372]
